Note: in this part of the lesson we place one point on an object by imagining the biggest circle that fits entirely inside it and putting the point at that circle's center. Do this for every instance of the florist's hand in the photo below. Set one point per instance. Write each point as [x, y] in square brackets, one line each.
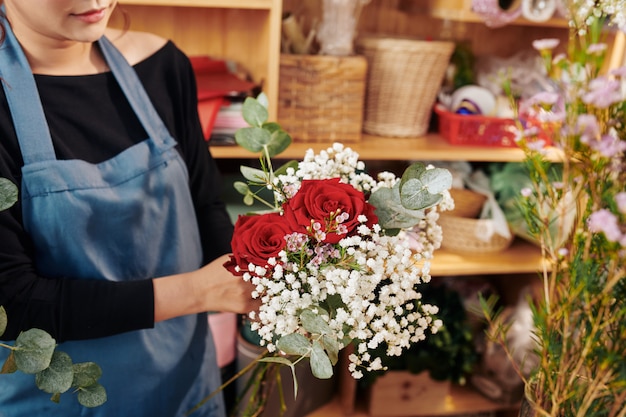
[225, 291]
[210, 288]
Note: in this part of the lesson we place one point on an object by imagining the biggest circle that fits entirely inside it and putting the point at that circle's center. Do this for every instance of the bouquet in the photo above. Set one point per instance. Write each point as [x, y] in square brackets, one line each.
[337, 257]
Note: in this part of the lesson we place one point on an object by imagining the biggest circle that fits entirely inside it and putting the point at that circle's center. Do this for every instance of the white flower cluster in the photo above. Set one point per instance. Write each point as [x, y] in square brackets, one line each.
[585, 11]
[375, 281]
[364, 287]
[335, 162]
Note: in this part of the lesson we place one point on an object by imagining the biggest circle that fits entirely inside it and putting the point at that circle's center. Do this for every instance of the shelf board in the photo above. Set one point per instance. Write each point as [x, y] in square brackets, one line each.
[226, 4]
[520, 258]
[460, 400]
[428, 147]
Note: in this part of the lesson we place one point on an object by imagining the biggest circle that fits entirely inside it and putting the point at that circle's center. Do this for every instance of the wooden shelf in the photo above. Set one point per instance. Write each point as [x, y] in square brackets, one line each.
[520, 258]
[428, 147]
[460, 401]
[226, 4]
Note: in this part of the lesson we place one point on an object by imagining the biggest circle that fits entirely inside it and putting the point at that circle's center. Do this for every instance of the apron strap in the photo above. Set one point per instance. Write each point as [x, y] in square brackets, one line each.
[22, 96]
[135, 93]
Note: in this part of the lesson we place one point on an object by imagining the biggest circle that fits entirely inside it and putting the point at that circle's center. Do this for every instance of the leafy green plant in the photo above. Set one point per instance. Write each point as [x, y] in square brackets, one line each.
[34, 351]
[580, 316]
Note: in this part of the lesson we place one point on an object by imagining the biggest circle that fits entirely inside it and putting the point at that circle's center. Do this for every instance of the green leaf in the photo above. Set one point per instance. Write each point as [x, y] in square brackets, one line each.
[321, 366]
[294, 344]
[92, 396]
[253, 139]
[421, 188]
[34, 349]
[86, 374]
[9, 366]
[332, 347]
[277, 359]
[3, 320]
[279, 141]
[414, 195]
[241, 187]
[254, 175]
[254, 113]
[58, 376]
[248, 199]
[390, 211]
[313, 323]
[8, 194]
[283, 168]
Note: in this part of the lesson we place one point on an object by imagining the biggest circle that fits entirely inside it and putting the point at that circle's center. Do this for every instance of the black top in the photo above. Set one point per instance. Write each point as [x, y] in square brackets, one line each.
[90, 119]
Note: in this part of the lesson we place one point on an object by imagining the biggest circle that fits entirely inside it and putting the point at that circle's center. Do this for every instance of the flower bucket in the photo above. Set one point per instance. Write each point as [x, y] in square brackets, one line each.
[307, 400]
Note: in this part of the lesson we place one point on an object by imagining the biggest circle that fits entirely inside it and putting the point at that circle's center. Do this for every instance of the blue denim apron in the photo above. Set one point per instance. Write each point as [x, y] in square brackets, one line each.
[130, 217]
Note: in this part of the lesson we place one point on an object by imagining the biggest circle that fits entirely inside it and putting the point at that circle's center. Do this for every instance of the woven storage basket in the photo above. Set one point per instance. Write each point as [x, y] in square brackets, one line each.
[460, 234]
[404, 77]
[467, 203]
[320, 98]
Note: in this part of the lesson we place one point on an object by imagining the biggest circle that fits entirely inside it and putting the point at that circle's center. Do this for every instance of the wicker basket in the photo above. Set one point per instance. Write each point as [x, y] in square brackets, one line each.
[320, 98]
[404, 77]
[460, 234]
[467, 203]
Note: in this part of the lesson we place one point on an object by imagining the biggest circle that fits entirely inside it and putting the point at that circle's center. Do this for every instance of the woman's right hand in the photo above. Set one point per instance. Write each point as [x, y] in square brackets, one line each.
[210, 288]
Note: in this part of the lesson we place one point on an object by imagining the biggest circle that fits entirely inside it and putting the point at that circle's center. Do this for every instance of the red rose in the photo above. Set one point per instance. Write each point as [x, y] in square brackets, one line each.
[321, 201]
[256, 239]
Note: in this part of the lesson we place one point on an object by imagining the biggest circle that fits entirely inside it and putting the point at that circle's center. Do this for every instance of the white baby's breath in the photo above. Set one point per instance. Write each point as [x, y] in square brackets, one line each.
[371, 277]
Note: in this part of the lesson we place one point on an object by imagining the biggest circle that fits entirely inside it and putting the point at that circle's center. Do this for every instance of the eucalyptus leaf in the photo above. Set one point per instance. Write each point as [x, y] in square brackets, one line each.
[8, 194]
[321, 366]
[281, 360]
[294, 344]
[414, 195]
[332, 347]
[313, 323]
[390, 211]
[86, 374]
[241, 187]
[248, 199]
[58, 376]
[254, 112]
[437, 180]
[263, 100]
[283, 168]
[280, 140]
[3, 320]
[254, 175]
[92, 396]
[254, 139]
[34, 349]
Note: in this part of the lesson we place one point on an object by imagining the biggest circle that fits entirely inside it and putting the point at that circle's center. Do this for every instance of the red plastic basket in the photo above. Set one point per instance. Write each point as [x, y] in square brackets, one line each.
[477, 130]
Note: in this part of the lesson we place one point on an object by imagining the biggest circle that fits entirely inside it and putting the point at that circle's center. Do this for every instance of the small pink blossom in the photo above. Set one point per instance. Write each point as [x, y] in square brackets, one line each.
[619, 72]
[603, 92]
[608, 146]
[526, 192]
[587, 126]
[545, 44]
[596, 48]
[603, 221]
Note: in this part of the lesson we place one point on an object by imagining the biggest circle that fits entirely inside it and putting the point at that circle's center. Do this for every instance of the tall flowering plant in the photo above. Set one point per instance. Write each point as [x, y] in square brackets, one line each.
[576, 210]
[337, 257]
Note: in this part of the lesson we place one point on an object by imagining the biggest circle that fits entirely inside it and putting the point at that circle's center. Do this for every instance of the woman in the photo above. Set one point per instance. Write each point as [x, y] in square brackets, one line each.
[117, 242]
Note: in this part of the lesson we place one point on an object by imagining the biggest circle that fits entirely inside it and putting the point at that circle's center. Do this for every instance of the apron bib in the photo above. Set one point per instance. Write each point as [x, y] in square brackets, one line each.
[130, 217]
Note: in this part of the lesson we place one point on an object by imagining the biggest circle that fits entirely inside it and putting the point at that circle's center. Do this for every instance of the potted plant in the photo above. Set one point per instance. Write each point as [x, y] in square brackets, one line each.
[580, 315]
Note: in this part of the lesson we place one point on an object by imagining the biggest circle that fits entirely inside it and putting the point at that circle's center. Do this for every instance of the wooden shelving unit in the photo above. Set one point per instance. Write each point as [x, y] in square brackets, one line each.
[244, 31]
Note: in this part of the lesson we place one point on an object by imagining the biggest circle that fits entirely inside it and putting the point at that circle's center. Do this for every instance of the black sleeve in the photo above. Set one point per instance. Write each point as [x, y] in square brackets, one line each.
[205, 179]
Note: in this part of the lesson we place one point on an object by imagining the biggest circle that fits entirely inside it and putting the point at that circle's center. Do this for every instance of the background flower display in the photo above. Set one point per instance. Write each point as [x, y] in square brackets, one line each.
[574, 207]
[338, 257]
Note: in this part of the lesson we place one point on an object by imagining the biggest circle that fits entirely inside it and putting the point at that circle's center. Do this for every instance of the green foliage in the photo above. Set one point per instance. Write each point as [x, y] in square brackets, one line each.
[34, 351]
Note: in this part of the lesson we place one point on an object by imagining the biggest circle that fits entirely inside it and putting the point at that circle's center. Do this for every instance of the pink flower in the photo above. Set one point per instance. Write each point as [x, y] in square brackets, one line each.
[545, 44]
[603, 92]
[603, 221]
[620, 199]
